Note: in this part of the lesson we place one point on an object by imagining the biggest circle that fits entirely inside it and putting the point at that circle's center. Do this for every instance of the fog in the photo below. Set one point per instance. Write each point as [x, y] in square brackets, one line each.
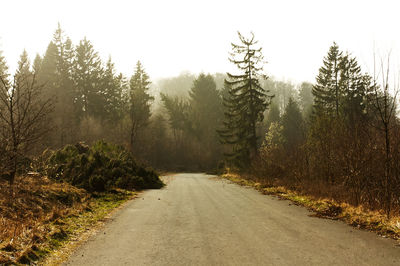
[174, 36]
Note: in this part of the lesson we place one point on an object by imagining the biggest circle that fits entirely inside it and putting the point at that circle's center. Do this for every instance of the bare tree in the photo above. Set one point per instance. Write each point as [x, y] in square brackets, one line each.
[23, 118]
[385, 104]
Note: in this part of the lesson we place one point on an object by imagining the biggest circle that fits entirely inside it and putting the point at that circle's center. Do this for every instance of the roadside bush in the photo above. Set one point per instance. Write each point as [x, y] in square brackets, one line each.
[100, 167]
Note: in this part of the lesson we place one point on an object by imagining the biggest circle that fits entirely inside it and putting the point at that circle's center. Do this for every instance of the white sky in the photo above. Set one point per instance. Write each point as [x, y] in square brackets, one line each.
[172, 36]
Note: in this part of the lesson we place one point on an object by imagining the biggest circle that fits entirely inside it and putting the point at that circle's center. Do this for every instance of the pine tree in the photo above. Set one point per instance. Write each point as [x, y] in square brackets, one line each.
[113, 86]
[56, 76]
[341, 89]
[3, 69]
[246, 102]
[206, 115]
[306, 98]
[87, 72]
[357, 88]
[37, 64]
[48, 70]
[292, 122]
[206, 107]
[273, 115]
[139, 101]
[327, 91]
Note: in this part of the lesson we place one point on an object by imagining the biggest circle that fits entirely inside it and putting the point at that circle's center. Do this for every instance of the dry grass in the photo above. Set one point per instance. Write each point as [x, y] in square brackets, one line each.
[40, 215]
[359, 216]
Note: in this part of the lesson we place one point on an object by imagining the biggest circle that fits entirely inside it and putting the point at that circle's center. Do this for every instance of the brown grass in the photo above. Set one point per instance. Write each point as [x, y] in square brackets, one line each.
[41, 216]
[27, 212]
[357, 216]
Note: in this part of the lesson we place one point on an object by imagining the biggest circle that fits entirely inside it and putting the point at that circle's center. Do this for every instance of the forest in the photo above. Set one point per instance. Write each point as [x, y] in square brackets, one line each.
[335, 138]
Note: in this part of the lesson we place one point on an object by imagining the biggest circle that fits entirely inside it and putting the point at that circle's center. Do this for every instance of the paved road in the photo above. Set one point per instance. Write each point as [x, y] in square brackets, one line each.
[201, 220]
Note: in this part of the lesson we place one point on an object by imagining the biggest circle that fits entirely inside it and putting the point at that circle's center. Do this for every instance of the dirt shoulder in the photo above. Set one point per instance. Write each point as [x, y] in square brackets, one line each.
[358, 217]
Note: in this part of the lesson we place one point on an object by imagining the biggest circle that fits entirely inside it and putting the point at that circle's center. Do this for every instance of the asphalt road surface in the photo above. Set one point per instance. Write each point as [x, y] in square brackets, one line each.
[199, 219]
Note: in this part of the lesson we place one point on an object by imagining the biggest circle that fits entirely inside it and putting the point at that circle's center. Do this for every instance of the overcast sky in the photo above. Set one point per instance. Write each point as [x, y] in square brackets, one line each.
[173, 36]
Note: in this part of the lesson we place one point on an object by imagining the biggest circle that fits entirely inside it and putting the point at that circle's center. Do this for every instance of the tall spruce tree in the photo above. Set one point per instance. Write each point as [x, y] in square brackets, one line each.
[341, 89]
[56, 75]
[87, 72]
[113, 84]
[357, 88]
[292, 123]
[246, 101]
[139, 101]
[206, 115]
[206, 108]
[327, 91]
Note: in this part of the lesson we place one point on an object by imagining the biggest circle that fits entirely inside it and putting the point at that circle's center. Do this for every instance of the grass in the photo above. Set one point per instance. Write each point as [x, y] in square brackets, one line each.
[76, 229]
[42, 217]
[356, 216]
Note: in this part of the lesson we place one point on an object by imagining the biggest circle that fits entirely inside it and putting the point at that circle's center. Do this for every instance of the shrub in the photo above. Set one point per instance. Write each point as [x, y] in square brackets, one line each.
[100, 167]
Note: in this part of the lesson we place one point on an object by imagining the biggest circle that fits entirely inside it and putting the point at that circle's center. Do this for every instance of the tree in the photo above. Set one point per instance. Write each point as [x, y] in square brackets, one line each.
[327, 90]
[87, 72]
[178, 115]
[56, 75]
[306, 97]
[23, 114]
[292, 123]
[206, 115]
[113, 87]
[385, 106]
[356, 88]
[206, 107]
[246, 102]
[139, 101]
[273, 114]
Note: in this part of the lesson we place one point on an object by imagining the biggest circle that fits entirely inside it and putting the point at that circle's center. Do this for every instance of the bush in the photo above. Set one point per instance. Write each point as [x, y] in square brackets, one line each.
[100, 167]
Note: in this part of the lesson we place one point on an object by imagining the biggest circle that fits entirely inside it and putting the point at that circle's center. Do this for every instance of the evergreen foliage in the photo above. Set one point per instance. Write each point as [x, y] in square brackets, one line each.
[292, 125]
[139, 101]
[341, 89]
[103, 166]
[246, 102]
[86, 75]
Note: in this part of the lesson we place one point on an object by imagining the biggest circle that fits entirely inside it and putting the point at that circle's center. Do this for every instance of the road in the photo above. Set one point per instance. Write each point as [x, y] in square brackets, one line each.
[203, 220]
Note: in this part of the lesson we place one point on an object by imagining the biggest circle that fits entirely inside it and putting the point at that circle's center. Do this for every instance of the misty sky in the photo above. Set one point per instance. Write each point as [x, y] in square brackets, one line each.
[172, 36]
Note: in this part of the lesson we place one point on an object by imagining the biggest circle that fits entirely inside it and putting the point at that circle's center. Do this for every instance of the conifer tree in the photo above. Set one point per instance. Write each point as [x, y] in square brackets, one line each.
[273, 114]
[206, 107]
[327, 89]
[292, 122]
[114, 85]
[139, 101]
[3, 69]
[357, 88]
[306, 97]
[341, 89]
[246, 102]
[56, 76]
[37, 64]
[87, 72]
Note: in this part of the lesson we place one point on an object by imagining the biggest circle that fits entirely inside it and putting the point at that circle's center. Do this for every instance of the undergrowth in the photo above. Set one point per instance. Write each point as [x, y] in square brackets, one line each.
[42, 215]
[66, 193]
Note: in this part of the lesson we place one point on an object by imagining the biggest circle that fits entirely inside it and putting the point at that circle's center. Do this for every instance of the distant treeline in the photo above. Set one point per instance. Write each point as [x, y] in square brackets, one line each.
[69, 95]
